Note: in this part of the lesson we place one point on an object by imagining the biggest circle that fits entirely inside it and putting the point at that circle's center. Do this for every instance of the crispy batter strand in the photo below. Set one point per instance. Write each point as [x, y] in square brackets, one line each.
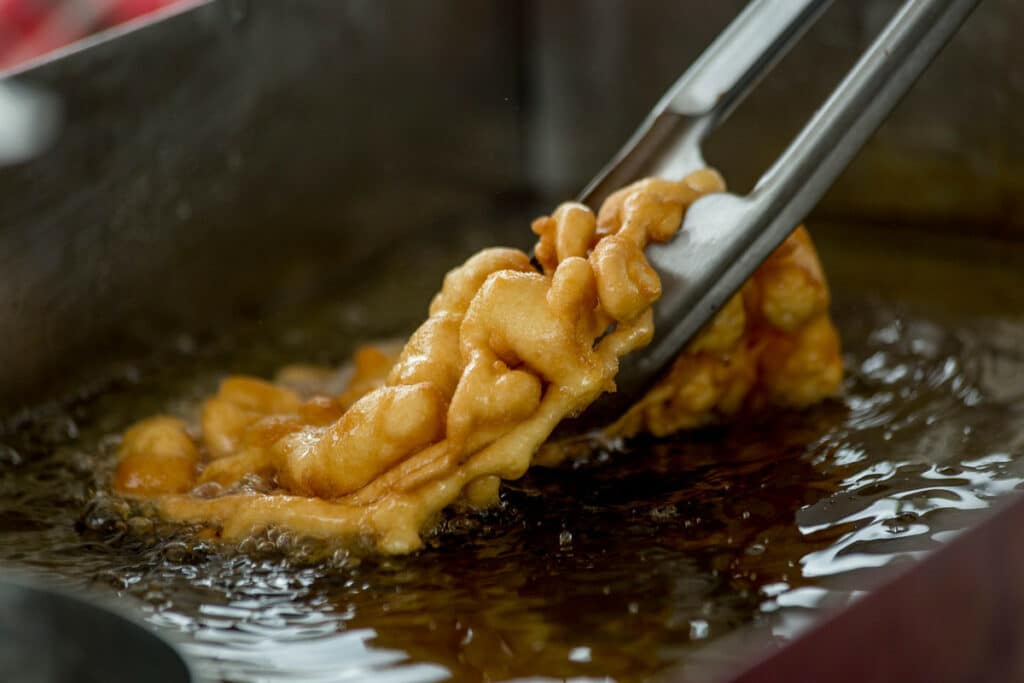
[506, 353]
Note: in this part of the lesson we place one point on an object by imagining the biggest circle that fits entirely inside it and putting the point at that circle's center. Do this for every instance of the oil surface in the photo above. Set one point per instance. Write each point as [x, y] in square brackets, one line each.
[626, 564]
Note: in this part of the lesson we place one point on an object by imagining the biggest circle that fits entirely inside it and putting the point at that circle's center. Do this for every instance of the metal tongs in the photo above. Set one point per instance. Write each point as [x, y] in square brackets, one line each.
[725, 237]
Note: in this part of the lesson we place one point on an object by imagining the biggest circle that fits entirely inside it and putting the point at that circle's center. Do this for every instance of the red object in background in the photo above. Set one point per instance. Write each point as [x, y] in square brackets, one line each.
[29, 28]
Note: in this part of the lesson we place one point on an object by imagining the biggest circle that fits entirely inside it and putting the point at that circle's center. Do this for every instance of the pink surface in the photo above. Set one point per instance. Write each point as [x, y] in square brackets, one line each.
[30, 28]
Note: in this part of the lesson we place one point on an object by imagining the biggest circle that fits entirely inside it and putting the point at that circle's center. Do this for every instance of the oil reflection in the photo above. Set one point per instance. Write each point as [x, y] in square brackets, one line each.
[622, 564]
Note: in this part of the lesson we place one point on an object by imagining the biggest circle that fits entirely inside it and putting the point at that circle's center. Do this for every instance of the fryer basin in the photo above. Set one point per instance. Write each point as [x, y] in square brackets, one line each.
[53, 635]
[235, 159]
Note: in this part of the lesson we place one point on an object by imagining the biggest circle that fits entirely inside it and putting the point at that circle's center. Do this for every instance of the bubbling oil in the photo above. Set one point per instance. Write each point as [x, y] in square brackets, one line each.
[625, 563]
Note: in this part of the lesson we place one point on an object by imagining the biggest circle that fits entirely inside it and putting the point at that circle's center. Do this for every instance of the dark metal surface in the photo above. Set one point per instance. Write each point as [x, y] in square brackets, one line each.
[214, 168]
[51, 636]
[955, 617]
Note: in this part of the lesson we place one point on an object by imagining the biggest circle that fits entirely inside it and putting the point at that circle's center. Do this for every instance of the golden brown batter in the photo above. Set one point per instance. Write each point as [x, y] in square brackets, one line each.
[505, 354]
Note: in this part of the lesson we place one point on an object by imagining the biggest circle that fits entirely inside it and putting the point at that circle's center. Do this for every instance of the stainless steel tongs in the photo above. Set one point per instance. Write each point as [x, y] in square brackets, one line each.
[725, 237]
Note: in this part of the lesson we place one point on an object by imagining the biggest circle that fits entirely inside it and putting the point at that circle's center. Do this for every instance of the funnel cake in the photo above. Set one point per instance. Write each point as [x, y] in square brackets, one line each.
[508, 350]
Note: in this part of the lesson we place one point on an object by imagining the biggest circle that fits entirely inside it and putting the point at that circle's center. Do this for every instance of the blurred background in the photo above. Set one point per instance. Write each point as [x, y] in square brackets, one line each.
[240, 116]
